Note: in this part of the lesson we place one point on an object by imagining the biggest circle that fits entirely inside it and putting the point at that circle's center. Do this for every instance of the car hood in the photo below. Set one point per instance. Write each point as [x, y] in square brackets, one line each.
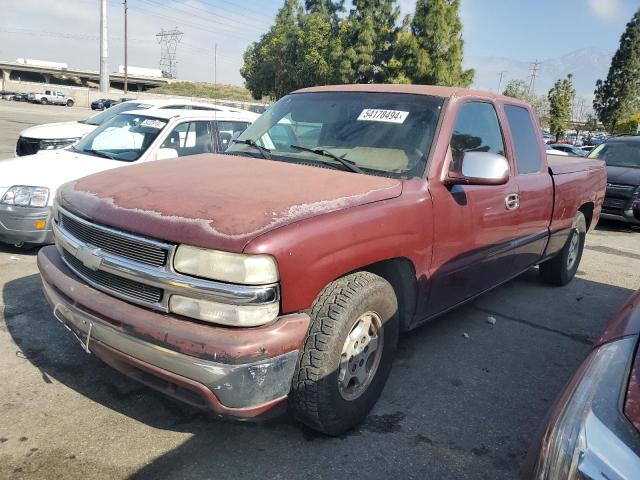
[218, 201]
[51, 169]
[623, 175]
[58, 130]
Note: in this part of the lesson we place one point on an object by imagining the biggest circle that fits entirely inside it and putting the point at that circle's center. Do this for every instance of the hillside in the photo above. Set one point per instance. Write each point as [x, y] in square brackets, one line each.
[205, 90]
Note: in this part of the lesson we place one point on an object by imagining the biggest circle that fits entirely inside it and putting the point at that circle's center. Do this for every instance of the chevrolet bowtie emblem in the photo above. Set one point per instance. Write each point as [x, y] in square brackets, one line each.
[90, 257]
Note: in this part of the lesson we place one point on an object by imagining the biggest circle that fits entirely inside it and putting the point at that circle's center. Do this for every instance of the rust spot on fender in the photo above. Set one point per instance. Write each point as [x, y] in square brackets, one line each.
[218, 201]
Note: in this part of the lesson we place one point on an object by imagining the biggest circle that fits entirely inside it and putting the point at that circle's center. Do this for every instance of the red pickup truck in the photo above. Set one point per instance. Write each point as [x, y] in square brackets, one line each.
[282, 272]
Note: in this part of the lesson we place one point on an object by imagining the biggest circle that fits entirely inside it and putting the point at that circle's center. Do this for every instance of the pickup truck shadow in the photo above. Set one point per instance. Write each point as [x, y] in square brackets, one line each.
[465, 395]
[10, 249]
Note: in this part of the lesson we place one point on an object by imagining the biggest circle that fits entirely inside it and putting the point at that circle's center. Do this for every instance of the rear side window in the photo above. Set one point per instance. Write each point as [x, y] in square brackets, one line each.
[476, 130]
[525, 140]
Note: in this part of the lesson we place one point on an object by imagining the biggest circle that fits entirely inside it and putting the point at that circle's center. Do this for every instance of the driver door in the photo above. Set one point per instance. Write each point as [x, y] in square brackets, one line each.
[474, 228]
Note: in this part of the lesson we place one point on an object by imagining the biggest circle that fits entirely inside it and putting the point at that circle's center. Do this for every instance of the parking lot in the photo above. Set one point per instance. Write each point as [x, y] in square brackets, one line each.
[464, 400]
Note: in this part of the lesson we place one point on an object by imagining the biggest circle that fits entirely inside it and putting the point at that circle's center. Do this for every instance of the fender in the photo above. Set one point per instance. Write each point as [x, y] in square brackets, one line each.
[313, 252]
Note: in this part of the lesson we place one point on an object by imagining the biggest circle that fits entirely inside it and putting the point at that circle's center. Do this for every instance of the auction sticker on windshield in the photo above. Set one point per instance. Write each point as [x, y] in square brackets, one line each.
[377, 115]
[152, 123]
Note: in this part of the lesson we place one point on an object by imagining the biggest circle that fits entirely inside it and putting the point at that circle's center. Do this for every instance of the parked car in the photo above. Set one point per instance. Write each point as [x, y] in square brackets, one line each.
[593, 431]
[52, 136]
[569, 149]
[51, 97]
[622, 156]
[28, 184]
[104, 103]
[285, 271]
[20, 97]
[553, 151]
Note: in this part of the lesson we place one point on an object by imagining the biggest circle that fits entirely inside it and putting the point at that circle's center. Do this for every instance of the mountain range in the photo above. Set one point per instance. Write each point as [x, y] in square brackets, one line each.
[587, 66]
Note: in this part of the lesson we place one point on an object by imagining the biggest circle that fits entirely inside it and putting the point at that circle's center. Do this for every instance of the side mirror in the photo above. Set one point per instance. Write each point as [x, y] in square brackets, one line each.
[166, 154]
[480, 168]
[636, 209]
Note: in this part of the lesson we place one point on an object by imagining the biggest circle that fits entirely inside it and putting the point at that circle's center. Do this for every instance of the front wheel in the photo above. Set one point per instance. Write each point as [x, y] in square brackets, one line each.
[347, 355]
[44, 101]
[561, 269]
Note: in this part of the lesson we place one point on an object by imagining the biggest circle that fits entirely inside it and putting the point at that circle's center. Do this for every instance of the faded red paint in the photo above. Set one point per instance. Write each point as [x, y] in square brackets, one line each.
[218, 201]
[216, 343]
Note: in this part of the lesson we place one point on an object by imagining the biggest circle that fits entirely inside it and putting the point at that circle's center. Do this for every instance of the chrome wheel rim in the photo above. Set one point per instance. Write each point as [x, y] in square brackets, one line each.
[574, 247]
[360, 356]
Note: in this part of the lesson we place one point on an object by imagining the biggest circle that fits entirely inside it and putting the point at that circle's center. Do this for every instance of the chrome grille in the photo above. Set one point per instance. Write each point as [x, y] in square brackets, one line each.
[128, 288]
[115, 243]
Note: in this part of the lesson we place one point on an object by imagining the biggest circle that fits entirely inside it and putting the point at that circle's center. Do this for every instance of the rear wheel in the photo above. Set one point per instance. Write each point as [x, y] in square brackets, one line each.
[69, 103]
[44, 101]
[347, 355]
[561, 269]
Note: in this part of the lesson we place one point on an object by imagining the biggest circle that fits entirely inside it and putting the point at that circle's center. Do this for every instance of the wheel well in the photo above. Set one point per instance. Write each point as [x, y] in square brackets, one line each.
[587, 211]
[401, 274]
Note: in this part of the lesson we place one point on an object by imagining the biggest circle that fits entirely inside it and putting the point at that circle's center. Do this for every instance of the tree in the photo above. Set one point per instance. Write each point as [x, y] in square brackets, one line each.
[561, 98]
[437, 59]
[371, 31]
[520, 90]
[618, 96]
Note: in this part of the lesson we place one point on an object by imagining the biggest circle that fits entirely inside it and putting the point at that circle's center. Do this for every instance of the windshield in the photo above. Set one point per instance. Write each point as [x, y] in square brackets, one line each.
[387, 134]
[108, 114]
[125, 137]
[620, 153]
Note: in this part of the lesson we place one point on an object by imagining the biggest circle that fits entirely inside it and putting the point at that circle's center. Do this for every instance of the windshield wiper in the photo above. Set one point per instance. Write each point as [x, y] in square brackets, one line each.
[263, 151]
[98, 153]
[326, 153]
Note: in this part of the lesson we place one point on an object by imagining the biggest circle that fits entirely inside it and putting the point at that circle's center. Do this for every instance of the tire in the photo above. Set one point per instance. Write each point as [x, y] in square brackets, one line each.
[44, 101]
[324, 396]
[561, 269]
[69, 103]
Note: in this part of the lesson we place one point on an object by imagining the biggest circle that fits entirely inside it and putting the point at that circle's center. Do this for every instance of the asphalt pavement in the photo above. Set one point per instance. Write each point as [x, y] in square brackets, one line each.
[464, 400]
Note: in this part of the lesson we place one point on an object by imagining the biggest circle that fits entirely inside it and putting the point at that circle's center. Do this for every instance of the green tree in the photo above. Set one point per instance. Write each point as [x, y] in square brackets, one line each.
[371, 31]
[561, 98]
[438, 53]
[618, 96]
[317, 51]
[270, 64]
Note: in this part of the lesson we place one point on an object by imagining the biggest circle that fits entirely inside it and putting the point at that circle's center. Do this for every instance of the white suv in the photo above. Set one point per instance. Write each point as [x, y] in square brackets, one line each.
[52, 136]
[28, 184]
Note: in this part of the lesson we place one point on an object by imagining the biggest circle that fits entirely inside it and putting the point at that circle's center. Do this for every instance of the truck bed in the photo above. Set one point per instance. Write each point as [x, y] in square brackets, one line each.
[561, 164]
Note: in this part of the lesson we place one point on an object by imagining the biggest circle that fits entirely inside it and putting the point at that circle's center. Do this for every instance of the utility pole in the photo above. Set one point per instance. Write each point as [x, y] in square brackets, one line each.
[215, 70]
[533, 75]
[168, 40]
[500, 82]
[126, 63]
[104, 57]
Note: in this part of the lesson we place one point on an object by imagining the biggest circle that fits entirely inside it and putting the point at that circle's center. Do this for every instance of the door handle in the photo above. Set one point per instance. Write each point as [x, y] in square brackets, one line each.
[512, 201]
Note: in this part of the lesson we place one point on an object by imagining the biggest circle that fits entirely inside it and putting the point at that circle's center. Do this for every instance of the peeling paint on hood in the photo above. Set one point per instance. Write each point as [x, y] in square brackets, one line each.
[218, 201]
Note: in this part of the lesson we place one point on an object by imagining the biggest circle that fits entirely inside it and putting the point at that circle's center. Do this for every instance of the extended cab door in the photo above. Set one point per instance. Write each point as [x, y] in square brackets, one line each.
[474, 226]
[535, 187]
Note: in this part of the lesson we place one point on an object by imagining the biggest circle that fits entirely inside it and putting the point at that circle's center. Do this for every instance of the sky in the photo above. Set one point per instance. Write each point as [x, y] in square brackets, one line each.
[68, 30]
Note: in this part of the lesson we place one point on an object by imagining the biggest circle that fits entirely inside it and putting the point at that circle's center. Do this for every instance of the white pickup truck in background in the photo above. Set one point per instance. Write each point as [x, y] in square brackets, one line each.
[49, 96]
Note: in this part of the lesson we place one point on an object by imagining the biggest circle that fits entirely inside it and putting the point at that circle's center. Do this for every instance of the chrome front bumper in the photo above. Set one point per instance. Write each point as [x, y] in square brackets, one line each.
[236, 386]
[17, 225]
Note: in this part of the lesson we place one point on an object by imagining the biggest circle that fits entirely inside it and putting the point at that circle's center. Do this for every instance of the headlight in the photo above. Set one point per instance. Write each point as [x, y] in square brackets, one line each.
[226, 267]
[584, 441]
[56, 144]
[25, 196]
[224, 314]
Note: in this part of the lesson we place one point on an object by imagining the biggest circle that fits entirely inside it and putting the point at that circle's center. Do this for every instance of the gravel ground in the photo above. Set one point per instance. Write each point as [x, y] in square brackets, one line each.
[454, 407]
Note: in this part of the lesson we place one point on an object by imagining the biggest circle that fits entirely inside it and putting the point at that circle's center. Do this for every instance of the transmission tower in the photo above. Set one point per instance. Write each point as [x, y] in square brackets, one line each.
[168, 40]
[532, 76]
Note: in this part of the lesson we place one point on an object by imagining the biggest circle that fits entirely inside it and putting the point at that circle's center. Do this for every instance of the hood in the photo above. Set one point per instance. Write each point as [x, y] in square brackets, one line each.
[626, 322]
[623, 175]
[51, 168]
[58, 130]
[218, 201]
